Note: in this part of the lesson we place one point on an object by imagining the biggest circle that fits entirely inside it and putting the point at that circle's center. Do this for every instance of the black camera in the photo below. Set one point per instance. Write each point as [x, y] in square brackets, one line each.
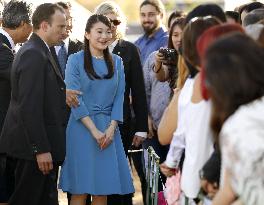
[169, 54]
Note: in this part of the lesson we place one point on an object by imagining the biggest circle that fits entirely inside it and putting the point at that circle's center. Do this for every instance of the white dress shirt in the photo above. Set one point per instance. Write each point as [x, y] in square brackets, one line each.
[66, 45]
[12, 43]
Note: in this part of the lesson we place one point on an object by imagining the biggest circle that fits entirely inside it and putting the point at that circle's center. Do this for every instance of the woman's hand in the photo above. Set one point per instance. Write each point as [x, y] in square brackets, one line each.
[109, 135]
[99, 137]
[167, 171]
[210, 188]
[159, 58]
[72, 98]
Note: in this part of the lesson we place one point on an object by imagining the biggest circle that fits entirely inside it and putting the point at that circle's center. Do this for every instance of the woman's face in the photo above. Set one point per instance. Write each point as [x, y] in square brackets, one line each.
[113, 17]
[176, 37]
[99, 36]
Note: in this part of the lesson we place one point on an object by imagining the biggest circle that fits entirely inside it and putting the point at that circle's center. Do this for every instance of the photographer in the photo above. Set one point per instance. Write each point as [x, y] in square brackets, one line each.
[166, 58]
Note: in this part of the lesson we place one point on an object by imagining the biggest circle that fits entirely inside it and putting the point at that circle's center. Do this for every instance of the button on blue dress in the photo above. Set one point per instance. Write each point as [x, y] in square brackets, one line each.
[87, 168]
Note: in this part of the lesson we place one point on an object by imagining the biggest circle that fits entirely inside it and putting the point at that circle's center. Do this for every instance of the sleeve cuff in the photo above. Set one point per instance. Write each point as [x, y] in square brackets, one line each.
[80, 111]
[141, 134]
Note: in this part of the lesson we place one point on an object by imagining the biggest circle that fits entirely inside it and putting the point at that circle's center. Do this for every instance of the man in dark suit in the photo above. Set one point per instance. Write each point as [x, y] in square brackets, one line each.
[16, 29]
[135, 124]
[135, 105]
[68, 46]
[34, 129]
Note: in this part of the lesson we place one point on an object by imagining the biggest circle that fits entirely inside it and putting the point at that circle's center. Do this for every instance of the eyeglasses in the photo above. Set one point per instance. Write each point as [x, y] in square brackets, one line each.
[116, 22]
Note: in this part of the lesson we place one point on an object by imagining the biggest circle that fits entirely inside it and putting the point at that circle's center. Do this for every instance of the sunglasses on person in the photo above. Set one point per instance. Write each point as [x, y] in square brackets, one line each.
[116, 22]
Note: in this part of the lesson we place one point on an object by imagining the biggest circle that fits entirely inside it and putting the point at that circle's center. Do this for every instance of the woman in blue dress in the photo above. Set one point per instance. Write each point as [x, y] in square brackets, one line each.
[95, 160]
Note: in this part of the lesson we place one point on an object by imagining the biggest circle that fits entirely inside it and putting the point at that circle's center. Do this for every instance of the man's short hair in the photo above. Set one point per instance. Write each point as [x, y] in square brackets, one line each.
[64, 5]
[16, 12]
[253, 17]
[156, 3]
[44, 12]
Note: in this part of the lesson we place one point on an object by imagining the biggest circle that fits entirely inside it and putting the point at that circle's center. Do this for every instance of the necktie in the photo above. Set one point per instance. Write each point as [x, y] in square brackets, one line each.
[62, 58]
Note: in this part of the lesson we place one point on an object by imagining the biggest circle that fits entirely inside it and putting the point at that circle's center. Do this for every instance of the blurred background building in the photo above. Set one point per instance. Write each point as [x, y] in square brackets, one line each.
[81, 10]
[131, 9]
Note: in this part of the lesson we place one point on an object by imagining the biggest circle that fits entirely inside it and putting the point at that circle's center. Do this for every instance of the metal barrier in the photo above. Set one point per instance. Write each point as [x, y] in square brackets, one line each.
[152, 177]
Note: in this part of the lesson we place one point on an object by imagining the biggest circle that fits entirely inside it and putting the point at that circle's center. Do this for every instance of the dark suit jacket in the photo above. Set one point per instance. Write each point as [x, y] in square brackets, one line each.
[35, 121]
[134, 85]
[74, 47]
[6, 59]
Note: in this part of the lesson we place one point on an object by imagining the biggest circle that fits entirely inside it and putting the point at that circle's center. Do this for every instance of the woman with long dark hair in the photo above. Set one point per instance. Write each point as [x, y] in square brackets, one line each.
[134, 128]
[210, 173]
[164, 69]
[234, 81]
[193, 113]
[185, 70]
[95, 159]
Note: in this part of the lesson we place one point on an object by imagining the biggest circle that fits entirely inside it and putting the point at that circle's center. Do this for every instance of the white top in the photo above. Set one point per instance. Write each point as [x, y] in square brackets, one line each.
[194, 131]
[2, 31]
[242, 146]
[178, 141]
[112, 46]
[66, 46]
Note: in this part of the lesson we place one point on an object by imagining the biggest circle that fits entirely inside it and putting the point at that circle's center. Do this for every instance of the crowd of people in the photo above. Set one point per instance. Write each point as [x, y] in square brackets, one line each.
[71, 111]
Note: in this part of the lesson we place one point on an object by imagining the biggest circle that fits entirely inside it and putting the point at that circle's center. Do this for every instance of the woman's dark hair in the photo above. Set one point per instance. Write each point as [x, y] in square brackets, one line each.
[249, 7]
[192, 31]
[233, 14]
[178, 22]
[234, 75]
[207, 39]
[174, 15]
[173, 70]
[88, 65]
[207, 10]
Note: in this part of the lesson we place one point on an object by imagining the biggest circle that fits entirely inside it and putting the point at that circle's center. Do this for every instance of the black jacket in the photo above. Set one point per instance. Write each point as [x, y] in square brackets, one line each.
[134, 83]
[6, 59]
[35, 121]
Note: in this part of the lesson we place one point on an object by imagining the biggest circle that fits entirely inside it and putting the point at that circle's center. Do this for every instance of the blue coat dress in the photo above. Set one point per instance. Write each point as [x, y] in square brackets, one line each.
[87, 168]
